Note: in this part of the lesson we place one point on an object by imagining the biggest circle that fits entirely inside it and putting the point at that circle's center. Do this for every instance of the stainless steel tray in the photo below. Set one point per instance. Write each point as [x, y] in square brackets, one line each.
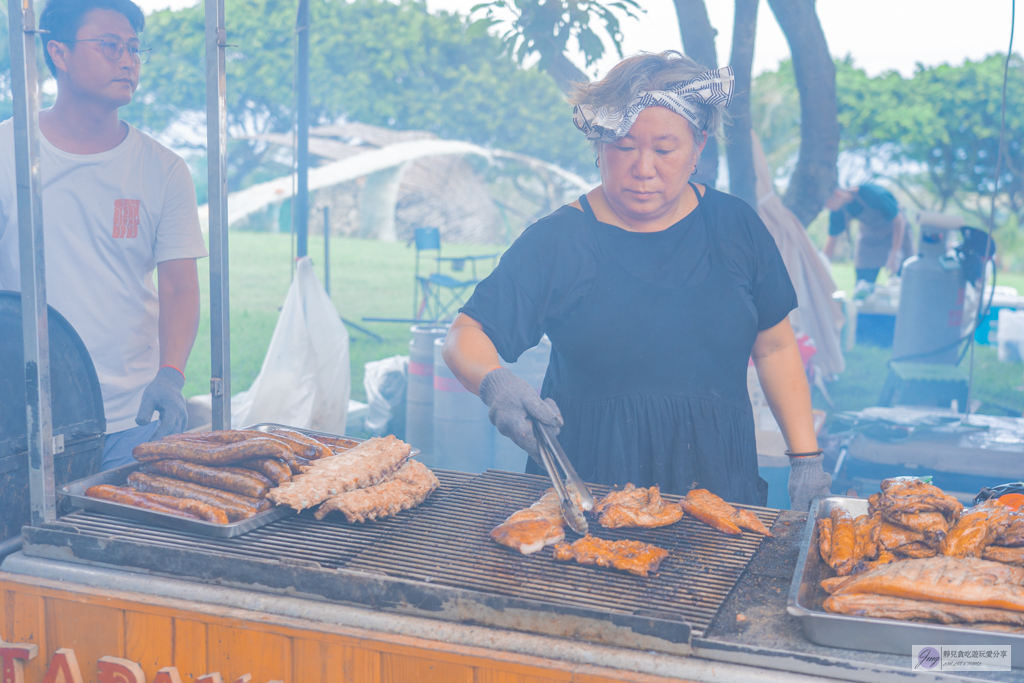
[865, 633]
[75, 493]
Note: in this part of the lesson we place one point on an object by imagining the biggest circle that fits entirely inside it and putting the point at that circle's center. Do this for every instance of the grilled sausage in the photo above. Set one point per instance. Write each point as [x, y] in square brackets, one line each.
[225, 436]
[206, 453]
[238, 469]
[232, 504]
[239, 481]
[182, 507]
[320, 450]
[275, 470]
[336, 443]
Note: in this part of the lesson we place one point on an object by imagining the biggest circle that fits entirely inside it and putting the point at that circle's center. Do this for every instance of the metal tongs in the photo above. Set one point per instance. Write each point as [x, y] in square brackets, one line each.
[573, 494]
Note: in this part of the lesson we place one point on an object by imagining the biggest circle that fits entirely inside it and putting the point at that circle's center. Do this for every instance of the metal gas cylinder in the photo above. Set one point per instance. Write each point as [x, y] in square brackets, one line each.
[930, 314]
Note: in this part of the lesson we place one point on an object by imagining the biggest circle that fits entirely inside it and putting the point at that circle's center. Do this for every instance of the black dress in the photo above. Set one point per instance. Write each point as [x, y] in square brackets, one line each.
[651, 336]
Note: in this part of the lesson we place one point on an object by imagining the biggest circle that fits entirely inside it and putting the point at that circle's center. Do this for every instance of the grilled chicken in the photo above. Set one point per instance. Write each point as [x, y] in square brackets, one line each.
[715, 512]
[976, 528]
[887, 607]
[892, 537]
[932, 525]
[999, 553]
[825, 539]
[411, 485]
[1013, 535]
[636, 507]
[630, 556]
[531, 529]
[948, 580]
[368, 464]
[865, 531]
[913, 496]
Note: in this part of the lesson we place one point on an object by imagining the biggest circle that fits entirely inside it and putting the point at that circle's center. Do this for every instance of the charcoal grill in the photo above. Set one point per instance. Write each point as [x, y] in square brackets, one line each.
[438, 561]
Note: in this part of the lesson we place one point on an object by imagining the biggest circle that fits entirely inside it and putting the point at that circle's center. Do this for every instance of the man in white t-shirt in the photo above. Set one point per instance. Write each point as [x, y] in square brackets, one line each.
[116, 206]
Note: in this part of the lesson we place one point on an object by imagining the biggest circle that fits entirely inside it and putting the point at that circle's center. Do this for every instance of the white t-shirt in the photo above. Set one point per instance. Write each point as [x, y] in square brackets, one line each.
[108, 219]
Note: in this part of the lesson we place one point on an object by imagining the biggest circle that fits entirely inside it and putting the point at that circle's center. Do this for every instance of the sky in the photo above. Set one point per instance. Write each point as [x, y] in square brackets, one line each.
[880, 35]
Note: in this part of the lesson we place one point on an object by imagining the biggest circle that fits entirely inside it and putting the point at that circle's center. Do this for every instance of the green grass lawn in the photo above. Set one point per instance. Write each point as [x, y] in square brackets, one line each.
[368, 278]
[371, 278]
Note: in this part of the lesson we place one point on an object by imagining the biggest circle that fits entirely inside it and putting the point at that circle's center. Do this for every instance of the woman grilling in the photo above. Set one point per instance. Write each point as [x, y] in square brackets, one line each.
[655, 292]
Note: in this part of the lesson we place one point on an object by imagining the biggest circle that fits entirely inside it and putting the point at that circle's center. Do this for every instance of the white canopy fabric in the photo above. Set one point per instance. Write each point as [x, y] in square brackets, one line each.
[818, 315]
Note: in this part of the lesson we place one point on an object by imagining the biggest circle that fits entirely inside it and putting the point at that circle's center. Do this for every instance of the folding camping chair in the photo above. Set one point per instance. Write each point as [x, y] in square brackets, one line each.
[437, 296]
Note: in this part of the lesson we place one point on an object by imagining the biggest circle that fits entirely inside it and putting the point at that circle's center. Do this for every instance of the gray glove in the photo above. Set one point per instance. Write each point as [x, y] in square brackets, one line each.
[807, 481]
[512, 402]
[164, 396]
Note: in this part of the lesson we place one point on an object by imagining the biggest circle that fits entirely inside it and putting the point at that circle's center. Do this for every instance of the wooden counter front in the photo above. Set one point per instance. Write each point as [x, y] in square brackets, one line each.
[199, 639]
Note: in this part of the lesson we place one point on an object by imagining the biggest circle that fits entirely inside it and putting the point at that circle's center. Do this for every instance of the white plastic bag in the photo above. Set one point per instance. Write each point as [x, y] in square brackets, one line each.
[1010, 335]
[385, 382]
[305, 380]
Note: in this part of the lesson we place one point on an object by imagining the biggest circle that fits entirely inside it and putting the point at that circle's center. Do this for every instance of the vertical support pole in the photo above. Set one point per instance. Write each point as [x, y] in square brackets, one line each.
[24, 87]
[216, 151]
[327, 249]
[300, 215]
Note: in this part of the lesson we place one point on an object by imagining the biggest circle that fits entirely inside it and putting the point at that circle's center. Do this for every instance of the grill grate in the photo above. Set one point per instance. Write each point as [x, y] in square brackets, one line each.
[449, 545]
[331, 543]
[445, 542]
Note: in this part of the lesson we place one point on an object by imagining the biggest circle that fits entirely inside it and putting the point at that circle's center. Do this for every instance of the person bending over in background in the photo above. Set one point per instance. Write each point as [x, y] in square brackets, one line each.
[116, 206]
[884, 238]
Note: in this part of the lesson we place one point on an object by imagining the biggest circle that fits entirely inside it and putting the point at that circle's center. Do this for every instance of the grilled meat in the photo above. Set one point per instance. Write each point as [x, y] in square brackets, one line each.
[368, 464]
[1013, 535]
[630, 556]
[715, 512]
[998, 553]
[892, 537]
[844, 542]
[888, 607]
[636, 507]
[917, 549]
[865, 532]
[411, 485]
[913, 495]
[969, 581]
[977, 527]
[531, 529]
[825, 539]
[932, 525]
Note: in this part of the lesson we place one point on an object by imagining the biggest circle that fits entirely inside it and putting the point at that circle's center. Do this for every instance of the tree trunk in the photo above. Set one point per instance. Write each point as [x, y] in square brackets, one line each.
[815, 174]
[565, 72]
[742, 179]
[699, 44]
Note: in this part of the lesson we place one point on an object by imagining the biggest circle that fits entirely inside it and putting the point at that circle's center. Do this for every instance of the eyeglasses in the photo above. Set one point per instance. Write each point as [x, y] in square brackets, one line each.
[113, 47]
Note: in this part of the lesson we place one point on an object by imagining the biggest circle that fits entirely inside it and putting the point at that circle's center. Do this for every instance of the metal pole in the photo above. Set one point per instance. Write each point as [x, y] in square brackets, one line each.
[301, 205]
[24, 86]
[327, 249]
[216, 154]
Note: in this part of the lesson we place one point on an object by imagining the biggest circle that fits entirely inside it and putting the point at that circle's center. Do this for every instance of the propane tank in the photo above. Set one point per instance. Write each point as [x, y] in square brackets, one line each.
[930, 314]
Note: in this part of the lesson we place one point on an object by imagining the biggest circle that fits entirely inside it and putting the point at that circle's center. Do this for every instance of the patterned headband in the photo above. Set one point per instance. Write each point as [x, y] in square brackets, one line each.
[605, 124]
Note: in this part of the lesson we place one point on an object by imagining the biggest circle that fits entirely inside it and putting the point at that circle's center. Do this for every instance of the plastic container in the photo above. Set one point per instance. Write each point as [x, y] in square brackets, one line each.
[531, 366]
[419, 398]
[463, 434]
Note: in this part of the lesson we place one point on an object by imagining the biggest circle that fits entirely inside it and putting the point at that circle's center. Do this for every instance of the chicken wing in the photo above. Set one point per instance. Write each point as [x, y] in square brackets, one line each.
[637, 507]
[976, 528]
[533, 528]
[932, 525]
[914, 495]
[998, 553]
[715, 512]
[844, 542]
[825, 539]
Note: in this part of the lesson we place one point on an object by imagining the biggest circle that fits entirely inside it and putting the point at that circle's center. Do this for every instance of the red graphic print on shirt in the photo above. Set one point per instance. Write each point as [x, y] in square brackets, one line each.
[126, 218]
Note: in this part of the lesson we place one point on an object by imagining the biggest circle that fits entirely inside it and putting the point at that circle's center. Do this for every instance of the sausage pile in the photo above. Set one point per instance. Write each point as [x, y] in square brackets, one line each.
[218, 477]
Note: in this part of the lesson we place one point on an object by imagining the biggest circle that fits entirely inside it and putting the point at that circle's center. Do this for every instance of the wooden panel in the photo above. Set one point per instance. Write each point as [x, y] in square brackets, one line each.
[26, 624]
[593, 674]
[233, 652]
[325, 662]
[404, 669]
[149, 641]
[483, 675]
[92, 631]
[189, 649]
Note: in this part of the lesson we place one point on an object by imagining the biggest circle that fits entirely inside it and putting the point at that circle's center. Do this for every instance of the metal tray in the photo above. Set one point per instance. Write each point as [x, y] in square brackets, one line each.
[865, 633]
[75, 493]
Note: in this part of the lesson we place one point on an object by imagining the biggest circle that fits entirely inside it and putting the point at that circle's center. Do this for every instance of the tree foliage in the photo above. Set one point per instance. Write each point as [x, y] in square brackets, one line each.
[372, 61]
[935, 133]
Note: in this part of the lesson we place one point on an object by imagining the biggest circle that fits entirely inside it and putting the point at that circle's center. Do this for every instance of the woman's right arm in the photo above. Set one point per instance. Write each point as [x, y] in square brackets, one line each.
[469, 352]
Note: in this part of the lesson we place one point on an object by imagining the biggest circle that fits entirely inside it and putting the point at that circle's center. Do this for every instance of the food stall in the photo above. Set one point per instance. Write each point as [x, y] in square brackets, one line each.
[97, 594]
